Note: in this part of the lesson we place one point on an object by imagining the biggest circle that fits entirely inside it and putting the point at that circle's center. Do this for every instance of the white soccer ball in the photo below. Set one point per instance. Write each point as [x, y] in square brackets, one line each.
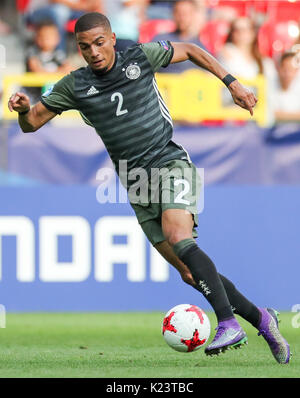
[186, 328]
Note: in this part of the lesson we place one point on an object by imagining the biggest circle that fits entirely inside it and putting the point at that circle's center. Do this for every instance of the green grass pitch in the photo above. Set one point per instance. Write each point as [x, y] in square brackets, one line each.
[119, 345]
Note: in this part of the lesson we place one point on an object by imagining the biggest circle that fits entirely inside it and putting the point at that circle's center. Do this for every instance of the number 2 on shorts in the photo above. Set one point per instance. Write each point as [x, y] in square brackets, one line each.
[186, 189]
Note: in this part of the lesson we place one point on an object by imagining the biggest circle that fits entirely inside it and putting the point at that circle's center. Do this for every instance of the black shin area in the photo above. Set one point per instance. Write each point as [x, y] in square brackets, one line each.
[207, 280]
[240, 304]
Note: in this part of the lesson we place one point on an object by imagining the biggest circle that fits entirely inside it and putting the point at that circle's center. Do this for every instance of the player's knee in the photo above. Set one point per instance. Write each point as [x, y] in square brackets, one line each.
[175, 235]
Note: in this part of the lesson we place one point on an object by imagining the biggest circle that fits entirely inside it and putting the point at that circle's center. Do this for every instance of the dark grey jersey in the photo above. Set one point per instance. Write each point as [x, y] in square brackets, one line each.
[124, 106]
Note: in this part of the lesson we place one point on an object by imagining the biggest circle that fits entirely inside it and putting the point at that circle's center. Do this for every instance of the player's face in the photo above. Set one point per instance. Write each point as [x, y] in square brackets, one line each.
[97, 48]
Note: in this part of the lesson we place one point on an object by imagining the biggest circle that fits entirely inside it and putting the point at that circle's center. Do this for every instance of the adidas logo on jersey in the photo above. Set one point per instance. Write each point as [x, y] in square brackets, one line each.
[92, 91]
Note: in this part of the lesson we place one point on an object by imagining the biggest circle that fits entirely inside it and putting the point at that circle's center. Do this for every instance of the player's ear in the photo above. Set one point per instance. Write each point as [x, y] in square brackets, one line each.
[113, 38]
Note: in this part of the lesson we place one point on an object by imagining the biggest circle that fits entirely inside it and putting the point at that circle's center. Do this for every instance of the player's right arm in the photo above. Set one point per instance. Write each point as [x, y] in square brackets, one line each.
[34, 118]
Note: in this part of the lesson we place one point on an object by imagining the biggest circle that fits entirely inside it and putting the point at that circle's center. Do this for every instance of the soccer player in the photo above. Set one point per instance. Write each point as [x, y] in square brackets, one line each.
[117, 94]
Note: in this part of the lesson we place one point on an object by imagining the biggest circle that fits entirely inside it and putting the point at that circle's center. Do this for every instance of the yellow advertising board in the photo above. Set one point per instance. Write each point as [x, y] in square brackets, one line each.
[14, 83]
[192, 96]
[195, 96]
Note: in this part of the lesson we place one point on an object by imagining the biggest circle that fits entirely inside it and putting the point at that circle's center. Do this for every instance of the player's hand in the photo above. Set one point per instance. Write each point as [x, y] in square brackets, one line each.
[19, 102]
[242, 96]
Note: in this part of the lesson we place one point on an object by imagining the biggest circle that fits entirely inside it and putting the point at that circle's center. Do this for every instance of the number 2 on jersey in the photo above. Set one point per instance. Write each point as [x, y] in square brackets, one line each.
[119, 111]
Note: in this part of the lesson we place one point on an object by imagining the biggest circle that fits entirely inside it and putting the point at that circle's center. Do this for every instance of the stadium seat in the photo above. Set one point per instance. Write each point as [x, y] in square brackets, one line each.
[214, 34]
[261, 6]
[239, 6]
[22, 5]
[284, 10]
[277, 10]
[153, 27]
[70, 26]
[273, 39]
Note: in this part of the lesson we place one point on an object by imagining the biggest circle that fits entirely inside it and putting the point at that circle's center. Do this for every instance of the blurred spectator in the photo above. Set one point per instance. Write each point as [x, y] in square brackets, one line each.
[60, 12]
[159, 9]
[43, 56]
[241, 55]
[189, 19]
[224, 13]
[4, 28]
[125, 17]
[287, 98]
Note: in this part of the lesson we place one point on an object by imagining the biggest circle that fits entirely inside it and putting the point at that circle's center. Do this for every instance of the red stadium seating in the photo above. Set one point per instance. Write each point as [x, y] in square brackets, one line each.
[239, 5]
[261, 6]
[277, 10]
[21, 5]
[70, 26]
[284, 10]
[153, 27]
[276, 35]
[275, 38]
[213, 35]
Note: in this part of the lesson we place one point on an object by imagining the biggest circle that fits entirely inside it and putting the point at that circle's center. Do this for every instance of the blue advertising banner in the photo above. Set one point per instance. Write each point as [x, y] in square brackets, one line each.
[229, 154]
[61, 250]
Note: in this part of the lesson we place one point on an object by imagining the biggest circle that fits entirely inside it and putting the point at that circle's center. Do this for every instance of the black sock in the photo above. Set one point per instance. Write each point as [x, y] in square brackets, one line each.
[241, 305]
[208, 280]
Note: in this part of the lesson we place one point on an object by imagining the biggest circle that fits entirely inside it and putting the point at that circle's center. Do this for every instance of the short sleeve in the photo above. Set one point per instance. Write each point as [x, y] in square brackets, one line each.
[86, 120]
[60, 97]
[159, 54]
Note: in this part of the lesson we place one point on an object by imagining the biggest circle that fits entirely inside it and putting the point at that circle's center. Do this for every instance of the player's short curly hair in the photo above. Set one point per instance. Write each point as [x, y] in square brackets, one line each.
[91, 20]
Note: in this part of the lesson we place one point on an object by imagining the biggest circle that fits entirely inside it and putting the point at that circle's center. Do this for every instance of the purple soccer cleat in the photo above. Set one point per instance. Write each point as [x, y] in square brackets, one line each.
[229, 334]
[268, 328]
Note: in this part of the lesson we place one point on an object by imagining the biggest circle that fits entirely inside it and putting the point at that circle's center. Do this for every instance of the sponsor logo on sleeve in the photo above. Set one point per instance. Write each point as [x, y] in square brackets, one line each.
[48, 92]
[164, 44]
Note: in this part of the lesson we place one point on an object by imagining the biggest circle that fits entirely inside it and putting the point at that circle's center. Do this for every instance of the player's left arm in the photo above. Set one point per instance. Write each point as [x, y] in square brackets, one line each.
[188, 51]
